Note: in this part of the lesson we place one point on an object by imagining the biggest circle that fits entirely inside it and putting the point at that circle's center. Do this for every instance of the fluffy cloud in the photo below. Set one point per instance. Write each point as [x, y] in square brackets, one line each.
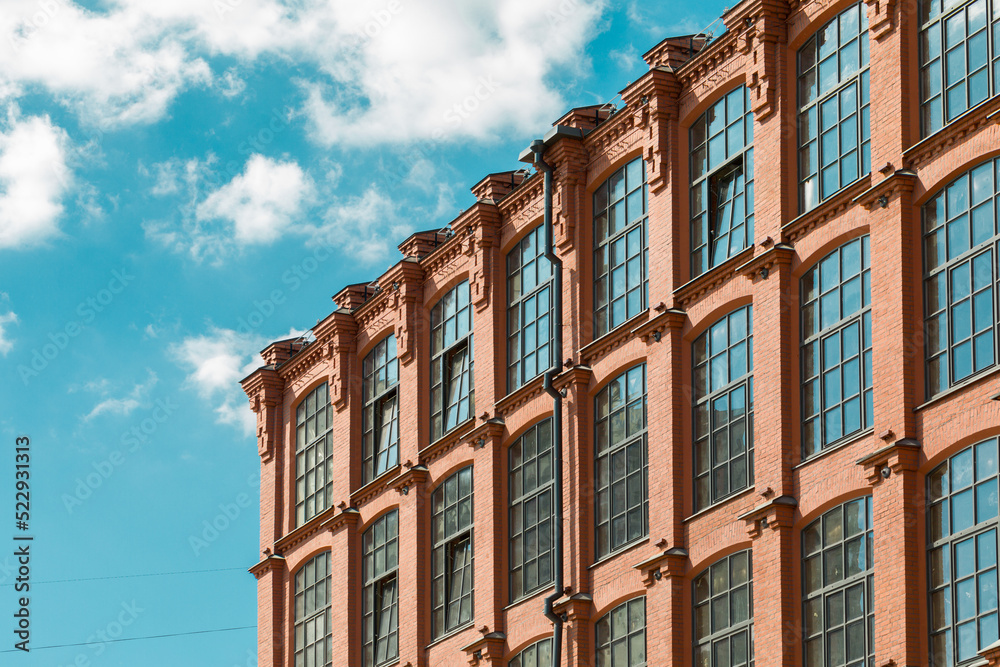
[6, 344]
[216, 362]
[123, 405]
[365, 228]
[262, 202]
[34, 177]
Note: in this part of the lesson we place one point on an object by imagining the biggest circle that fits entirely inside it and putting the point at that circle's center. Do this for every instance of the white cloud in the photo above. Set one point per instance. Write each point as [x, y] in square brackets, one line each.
[366, 228]
[230, 84]
[262, 202]
[123, 405]
[6, 344]
[216, 362]
[34, 177]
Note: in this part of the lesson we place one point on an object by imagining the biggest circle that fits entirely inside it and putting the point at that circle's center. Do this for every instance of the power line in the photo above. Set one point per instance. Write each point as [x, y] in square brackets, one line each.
[135, 639]
[132, 576]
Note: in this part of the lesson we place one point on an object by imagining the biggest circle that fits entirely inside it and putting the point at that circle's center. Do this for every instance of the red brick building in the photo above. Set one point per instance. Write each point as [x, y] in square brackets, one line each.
[767, 430]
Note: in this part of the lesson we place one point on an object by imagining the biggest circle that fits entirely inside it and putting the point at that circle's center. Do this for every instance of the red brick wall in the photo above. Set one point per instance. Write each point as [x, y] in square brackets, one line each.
[758, 49]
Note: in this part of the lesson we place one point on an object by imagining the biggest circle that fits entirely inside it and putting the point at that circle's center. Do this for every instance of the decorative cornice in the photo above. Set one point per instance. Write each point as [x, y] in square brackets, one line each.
[446, 443]
[670, 563]
[490, 431]
[415, 476]
[579, 376]
[375, 487]
[898, 182]
[775, 256]
[487, 650]
[902, 455]
[349, 516]
[880, 18]
[265, 388]
[693, 290]
[775, 514]
[613, 339]
[519, 396]
[272, 563]
[578, 607]
[306, 530]
[650, 332]
[825, 211]
[969, 122]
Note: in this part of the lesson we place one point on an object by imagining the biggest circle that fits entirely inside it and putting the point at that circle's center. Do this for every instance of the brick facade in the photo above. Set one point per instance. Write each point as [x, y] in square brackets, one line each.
[911, 432]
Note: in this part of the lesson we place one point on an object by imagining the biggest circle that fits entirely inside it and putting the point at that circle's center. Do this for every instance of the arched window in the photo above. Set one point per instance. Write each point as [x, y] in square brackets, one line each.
[381, 596]
[531, 510]
[836, 347]
[962, 554]
[961, 252]
[312, 613]
[723, 613]
[313, 455]
[838, 576]
[451, 565]
[529, 290]
[620, 247]
[453, 389]
[621, 635]
[721, 181]
[834, 134]
[538, 654]
[723, 410]
[956, 48]
[381, 409]
[622, 462]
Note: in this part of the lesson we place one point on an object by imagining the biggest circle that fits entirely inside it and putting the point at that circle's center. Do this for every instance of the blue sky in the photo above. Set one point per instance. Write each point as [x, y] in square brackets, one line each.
[168, 171]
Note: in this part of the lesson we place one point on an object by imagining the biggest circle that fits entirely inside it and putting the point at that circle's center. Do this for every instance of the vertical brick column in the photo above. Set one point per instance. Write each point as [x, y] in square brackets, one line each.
[897, 501]
[271, 575]
[489, 539]
[776, 392]
[414, 566]
[896, 305]
[578, 481]
[777, 636]
[667, 609]
[892, 35]
[345, 587]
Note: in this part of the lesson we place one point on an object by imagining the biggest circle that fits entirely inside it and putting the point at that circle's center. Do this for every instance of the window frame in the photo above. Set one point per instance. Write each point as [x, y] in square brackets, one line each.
[811, 103]
[306, 448]
[605, 451]
[633, 231]
[322, 610]
[528, 255]
[375, 583]
[380, 386]
[942, 493]
[932, 67]
[938, 240]
[705, 177]
[731, 630]
[865, 578]
[612, 639]
[520, 503]
[813, 347]
[535, 654]
[445, 545]
[451, 334]
[705, 396]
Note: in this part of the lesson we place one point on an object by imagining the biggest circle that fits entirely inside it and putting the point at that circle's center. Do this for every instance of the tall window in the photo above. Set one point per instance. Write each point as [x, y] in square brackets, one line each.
[381, 410]
[381, 600]
[723, 410]
[620, 247]
[529, 289]
[834, 135]
[621, 635]
[838, 586]
[531, 510]
[312, 613]
[451, 567]
[956, 49]
[723, 613]
[538, 654]
[453, 394]
[836, 347]
[313, 455]
[721, 181]
[622, 462]
[961, 254]
[962, 554]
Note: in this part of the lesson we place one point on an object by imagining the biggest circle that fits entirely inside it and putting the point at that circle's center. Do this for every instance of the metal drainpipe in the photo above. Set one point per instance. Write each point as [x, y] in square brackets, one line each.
[538, 148]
